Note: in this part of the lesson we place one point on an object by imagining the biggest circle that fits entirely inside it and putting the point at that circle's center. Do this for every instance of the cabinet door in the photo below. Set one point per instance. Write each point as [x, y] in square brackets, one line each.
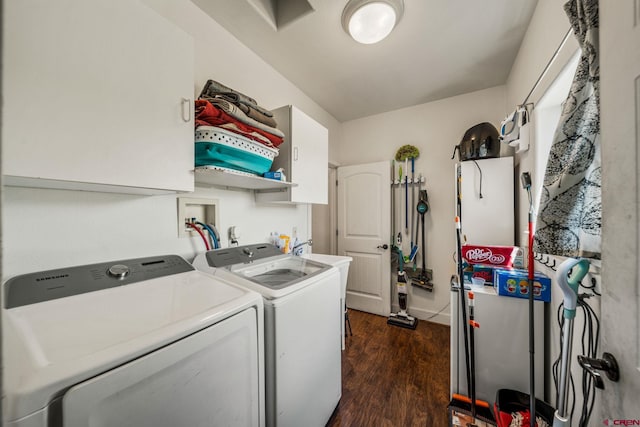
[304, 155]
[309, 159]
[93, 96]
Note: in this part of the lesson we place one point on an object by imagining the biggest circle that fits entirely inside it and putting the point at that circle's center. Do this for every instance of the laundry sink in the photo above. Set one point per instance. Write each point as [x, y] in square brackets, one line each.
[279, 272]
[275, 278]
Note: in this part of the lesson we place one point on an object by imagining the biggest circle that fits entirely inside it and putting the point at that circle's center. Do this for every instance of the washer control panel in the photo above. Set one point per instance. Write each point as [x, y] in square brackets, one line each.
[64, 282]
[119, 271]
[241, 254]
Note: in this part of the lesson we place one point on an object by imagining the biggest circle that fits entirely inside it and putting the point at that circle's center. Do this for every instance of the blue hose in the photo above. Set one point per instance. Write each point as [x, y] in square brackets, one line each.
[216, 245]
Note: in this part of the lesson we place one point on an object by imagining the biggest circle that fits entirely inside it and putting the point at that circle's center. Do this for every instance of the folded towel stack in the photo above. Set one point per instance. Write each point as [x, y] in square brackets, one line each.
[239, 115]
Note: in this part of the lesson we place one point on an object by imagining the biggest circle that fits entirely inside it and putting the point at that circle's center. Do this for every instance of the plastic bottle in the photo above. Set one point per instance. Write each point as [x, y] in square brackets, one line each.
[284, 242]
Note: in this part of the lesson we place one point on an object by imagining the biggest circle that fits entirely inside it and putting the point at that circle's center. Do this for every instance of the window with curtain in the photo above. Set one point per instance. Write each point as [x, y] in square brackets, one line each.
[570, 214]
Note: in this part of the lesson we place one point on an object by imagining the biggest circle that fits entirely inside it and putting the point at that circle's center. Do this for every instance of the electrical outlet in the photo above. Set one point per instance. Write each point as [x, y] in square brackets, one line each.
[193, 209]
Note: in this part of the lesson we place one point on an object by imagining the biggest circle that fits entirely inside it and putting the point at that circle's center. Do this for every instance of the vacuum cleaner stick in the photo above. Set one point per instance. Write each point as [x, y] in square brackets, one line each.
[569, 287]
[402, 318]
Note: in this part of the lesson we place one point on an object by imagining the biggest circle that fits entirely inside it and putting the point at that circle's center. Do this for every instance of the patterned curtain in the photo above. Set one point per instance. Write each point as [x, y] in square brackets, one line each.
[570, 214]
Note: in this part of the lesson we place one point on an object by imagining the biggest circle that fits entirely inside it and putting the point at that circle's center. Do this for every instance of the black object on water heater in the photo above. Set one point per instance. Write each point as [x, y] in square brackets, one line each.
[479, 142]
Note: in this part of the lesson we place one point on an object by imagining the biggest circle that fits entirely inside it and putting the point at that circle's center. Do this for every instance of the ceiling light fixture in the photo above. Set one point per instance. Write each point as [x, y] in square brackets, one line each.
[369, 21]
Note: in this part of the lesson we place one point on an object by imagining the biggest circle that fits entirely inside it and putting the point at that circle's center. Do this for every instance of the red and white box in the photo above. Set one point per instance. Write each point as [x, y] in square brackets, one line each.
[497, 256]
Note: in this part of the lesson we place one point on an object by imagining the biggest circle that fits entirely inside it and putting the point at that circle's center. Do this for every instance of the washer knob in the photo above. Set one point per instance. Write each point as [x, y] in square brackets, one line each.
[118, 271]
[247, 252]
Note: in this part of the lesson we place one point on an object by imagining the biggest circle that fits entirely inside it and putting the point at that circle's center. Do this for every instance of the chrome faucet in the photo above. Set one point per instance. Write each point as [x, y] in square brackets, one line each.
[299, 245]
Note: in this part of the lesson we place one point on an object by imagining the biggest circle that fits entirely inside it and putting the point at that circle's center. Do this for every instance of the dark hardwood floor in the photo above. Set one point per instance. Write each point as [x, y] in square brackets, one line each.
[393, 376]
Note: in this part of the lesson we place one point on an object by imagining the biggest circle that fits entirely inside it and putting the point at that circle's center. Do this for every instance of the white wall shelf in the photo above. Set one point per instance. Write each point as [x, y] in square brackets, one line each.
[221, 178]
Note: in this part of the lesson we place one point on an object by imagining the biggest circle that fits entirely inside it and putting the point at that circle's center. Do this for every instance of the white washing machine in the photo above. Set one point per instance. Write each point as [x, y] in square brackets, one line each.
[146, 342]
[302, 329]
[342, 264]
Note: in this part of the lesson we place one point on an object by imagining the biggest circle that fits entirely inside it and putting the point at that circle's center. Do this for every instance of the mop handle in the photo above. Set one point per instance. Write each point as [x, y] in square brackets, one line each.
[424, 247]
[406, 194]
[413, 201]
[463, 301]
[569, 287]
[393, 202]
[532, 376]
[472, 358]
[565, 370]
[530, 254]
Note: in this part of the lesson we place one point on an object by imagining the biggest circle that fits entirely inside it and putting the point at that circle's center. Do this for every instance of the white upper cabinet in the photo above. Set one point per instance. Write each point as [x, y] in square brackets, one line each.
[304, 156]
[98, 95]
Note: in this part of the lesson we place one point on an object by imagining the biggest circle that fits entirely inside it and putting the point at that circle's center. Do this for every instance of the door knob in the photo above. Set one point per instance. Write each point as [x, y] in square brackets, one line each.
[608, 364]
[385, 246]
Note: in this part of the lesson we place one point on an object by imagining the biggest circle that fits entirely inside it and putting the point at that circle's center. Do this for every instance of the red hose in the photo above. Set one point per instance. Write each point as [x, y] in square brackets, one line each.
[204, 239]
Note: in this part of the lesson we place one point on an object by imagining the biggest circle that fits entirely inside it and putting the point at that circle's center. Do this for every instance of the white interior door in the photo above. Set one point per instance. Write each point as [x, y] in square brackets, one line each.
[364, 232]
[620, 124]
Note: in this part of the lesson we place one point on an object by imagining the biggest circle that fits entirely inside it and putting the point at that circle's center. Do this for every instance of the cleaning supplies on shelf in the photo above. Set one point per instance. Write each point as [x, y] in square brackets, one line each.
[283, 243]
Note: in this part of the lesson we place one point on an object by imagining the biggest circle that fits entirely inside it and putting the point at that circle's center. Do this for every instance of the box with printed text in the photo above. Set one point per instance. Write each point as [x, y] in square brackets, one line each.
[515, 283]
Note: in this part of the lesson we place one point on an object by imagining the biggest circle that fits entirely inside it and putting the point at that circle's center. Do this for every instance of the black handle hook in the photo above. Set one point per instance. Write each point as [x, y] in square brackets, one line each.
[608, 364]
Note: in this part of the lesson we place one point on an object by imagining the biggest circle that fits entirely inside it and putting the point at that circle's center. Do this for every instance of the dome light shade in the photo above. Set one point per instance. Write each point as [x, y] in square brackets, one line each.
[369, 21]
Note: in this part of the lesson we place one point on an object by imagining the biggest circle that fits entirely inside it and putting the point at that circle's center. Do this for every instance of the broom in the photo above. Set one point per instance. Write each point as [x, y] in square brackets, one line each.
[465, 411]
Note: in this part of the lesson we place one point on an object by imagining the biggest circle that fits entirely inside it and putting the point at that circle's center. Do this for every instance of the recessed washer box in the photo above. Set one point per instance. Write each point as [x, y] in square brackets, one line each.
[203, 210]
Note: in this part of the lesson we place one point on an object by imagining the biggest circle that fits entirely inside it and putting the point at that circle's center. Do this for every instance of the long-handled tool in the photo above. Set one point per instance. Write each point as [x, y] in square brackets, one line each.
[526, 184]
[472, 355]
[400, 188]
[463, 302]
[402, 318]
[414, 249]
[393, 203]
[424, 278]
[406, 195]
[463, 411]
[569, 287]
[405, 153]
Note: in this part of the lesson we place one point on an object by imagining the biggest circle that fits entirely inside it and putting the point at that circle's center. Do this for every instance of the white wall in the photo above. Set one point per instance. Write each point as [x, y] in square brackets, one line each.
[435, 128]
[45, 229]
[51, 228]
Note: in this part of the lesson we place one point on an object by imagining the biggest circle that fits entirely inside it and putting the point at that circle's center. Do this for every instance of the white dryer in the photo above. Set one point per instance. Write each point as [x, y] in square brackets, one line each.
[302, 329]
[146, 342]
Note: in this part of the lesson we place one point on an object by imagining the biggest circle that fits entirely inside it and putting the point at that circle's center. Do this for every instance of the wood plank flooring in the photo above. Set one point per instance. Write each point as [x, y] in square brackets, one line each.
[393, 376]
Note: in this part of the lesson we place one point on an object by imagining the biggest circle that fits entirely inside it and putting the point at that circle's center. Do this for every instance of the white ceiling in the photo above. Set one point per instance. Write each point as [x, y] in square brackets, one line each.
[440, 48]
